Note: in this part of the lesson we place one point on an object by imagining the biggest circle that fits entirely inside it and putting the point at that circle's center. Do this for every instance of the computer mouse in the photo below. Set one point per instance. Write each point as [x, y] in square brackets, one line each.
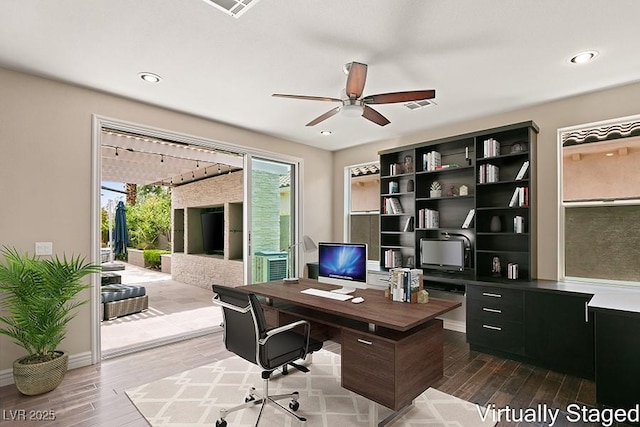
[357, 300]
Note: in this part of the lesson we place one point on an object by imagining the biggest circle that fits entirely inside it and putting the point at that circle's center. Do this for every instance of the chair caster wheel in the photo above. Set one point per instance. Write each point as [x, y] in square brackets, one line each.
[221, 423]
[294, 405]
[249, 399]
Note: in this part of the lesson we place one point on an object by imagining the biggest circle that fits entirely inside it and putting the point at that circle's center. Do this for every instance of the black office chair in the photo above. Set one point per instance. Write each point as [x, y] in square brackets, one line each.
[246, 335]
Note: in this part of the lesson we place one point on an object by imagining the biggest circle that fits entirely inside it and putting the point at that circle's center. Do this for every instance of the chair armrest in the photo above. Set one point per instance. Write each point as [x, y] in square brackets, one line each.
[287, 327]
[216, 300]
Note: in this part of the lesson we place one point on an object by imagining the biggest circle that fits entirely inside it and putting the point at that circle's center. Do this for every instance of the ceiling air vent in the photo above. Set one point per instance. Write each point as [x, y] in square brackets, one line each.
[415, 105]
[234, 8]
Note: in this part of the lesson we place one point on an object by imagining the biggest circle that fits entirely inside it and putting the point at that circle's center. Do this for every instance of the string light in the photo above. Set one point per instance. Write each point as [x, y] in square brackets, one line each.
[197, 163]
[219, 170]
[116, 151]
[161, 158]
[205, 171]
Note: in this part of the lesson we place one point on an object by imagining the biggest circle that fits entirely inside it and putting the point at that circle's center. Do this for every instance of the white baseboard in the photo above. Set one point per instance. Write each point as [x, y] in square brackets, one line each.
[455, 325]
[75, 361]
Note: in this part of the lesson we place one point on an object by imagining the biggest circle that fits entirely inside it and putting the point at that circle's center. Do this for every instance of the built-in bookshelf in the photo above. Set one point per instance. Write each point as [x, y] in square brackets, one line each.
[483, 194]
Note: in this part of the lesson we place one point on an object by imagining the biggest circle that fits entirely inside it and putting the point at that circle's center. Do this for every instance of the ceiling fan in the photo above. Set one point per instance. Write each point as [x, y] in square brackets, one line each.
[355, 104]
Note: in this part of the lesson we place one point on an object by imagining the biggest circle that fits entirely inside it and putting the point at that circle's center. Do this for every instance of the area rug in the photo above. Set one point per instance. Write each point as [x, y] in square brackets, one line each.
[194, 398]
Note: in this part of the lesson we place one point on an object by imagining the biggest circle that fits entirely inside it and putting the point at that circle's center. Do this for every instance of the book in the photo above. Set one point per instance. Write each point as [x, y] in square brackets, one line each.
[408, 225]
[515, 198]
[522, 171]
[396, 207]
[469, 218]
[394, 187]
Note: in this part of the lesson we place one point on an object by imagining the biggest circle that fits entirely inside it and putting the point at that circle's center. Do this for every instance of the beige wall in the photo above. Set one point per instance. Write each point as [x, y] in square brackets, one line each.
[46, 172]
[607, 104]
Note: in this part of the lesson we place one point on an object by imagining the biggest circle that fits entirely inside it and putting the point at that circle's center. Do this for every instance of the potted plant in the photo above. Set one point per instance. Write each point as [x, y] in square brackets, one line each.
[37, 302]
[436, 189]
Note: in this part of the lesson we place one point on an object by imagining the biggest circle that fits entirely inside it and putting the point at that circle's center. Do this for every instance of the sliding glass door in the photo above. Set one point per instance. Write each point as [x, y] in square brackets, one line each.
[271, 219]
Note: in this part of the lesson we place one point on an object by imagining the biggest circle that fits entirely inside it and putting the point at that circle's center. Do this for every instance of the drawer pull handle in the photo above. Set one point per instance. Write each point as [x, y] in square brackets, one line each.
[492, 310]
[364, 341]
[492, 295]
[493, 328]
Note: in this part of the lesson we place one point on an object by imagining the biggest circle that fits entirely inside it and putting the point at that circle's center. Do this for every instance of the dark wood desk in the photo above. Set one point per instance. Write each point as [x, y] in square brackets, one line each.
[391, 351]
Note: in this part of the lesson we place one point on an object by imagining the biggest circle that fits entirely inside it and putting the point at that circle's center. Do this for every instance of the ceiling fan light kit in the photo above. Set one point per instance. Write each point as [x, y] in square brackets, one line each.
[354, 104]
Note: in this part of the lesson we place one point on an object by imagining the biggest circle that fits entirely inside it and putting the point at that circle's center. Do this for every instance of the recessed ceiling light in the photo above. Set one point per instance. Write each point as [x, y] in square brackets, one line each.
[584, 57]
[609, 154]
[150, 77]
[325, 132]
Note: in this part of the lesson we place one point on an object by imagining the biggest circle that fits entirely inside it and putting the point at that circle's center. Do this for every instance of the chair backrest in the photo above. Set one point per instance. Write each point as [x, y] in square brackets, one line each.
[241, 330]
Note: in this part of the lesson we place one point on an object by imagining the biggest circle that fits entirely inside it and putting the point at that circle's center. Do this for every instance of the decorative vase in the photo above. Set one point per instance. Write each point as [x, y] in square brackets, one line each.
[435, 193]
[410, 186]
[37, 378]
[495, 226]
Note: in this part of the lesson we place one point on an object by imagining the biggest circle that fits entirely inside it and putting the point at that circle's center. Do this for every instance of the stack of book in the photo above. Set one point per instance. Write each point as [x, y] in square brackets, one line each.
[431, 161]
[520, 197]
[491, 148]
[392, 258]
[518, 224]
[428, 218]
[488, 173]
[392, 206]
[405, 284]
[395, 169]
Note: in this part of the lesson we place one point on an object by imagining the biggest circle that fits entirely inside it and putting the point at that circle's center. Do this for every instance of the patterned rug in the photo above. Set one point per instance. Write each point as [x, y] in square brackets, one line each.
[194, 398]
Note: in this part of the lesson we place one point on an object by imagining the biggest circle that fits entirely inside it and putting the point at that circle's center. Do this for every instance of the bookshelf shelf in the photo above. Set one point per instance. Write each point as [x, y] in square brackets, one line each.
[514, 146]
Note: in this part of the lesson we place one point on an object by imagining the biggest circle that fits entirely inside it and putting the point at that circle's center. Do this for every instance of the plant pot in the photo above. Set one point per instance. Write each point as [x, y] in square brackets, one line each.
[38, 378]
[435, 193]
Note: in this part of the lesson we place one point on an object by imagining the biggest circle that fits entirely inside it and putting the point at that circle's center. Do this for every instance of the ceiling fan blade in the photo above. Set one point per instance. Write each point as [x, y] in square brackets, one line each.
[377, 118]
[356, 79]
[324, 117]
[393, 97]
[308, 98]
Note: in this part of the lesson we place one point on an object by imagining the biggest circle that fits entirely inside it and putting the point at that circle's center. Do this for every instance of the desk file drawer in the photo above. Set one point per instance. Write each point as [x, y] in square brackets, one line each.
[494, 295]
[368, 366]
[494, 309]
[499, 334]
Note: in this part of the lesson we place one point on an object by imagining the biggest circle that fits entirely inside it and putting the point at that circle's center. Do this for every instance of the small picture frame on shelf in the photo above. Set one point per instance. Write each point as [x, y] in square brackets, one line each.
[408, 164]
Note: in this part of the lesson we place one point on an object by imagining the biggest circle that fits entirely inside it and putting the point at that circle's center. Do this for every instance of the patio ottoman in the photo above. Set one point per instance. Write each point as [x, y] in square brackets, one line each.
[121, 300]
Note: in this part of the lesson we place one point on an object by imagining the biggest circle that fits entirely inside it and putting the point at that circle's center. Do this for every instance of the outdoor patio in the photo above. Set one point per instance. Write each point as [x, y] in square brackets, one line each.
[176, 311]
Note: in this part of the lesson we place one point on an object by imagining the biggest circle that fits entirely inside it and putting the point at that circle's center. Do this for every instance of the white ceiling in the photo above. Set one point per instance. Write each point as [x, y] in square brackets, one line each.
[481, 56]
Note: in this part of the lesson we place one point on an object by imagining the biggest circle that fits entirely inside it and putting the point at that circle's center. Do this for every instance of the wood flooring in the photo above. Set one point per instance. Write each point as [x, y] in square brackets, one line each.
[94, 395]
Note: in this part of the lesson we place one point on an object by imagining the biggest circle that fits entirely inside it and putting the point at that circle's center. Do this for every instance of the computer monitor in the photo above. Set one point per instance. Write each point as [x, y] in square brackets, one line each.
[343, 264]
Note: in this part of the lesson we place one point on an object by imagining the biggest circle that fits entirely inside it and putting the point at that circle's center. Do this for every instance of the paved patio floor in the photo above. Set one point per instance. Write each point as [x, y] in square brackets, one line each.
[176, 311]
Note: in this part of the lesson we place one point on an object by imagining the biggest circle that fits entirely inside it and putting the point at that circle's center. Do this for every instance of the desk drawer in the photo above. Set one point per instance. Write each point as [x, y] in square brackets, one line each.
[494, 309]
[368, 366]
[495, 295]
[496, 333]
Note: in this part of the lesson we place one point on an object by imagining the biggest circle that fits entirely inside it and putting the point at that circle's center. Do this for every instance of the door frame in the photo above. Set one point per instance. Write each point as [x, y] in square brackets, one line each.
[98, 122]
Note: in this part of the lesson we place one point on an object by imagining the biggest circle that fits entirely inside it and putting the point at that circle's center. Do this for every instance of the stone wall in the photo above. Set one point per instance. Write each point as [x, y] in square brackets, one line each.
[206, 270]
[209, 192]
[190, 265]
[265, 206]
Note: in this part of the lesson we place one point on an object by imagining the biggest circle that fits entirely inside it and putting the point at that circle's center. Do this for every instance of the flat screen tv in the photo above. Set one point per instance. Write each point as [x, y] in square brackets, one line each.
[442, 254]
[343, 264]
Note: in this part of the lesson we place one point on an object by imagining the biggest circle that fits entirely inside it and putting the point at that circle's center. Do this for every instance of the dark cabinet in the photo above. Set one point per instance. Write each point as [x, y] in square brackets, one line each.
[494, 318]
[617, 355]
[559, 332]
[548, 328]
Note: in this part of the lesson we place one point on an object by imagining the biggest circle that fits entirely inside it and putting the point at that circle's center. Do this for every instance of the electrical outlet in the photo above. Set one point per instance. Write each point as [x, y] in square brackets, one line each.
[44, 248]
